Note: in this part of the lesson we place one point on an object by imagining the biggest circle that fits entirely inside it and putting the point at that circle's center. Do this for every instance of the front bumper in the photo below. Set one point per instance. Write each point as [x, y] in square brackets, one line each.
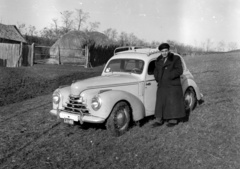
[76, 117]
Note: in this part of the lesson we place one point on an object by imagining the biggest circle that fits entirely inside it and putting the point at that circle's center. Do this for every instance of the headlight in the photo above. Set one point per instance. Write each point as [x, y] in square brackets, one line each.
[96, 103]
[56, 98]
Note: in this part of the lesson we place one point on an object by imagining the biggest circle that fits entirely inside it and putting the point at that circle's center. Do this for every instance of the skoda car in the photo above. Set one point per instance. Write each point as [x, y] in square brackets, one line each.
[124, 93]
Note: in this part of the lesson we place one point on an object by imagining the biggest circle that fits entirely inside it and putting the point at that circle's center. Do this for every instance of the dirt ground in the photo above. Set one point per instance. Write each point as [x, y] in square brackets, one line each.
[31, 138]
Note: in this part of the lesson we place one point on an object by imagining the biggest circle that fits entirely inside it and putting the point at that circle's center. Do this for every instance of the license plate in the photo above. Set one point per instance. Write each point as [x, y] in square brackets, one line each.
[69, 121]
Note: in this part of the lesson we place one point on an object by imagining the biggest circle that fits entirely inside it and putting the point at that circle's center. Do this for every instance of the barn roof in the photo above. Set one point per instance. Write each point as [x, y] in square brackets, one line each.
[10, 32]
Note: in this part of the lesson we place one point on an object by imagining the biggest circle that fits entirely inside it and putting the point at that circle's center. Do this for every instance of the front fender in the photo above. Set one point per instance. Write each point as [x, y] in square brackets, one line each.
[110, 98]
[64, 95]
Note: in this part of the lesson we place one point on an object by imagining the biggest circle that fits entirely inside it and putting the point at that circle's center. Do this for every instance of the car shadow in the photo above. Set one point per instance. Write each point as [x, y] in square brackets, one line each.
[148, 119]
[201, 101]
[144, 121]
[86, 126]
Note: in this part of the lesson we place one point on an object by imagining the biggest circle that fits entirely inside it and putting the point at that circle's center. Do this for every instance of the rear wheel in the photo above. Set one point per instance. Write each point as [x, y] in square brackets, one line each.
[119, 119]
[190, 99]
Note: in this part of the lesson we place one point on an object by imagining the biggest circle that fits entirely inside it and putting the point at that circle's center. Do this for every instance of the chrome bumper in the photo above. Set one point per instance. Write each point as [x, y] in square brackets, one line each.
[76, 117]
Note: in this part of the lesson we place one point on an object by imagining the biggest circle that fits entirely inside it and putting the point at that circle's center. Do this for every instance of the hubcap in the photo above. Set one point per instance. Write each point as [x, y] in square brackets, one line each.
[121, 118]
[188, 100]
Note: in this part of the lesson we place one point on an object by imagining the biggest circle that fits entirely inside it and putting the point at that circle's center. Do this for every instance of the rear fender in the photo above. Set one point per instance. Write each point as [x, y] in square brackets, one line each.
[190, 83]
[110, 98]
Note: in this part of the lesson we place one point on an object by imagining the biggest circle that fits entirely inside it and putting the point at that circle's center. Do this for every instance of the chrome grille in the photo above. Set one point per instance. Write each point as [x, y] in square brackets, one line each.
[75, 105]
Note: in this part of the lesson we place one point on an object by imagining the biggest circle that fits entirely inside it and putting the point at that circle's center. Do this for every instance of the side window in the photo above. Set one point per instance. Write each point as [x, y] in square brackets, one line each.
[151, 67]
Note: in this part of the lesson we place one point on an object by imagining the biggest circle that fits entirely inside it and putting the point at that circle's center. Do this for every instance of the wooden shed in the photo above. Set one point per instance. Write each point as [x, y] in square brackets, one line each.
[11, 46]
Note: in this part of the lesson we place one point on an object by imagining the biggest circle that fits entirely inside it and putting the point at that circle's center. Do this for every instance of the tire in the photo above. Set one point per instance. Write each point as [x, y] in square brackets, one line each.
[119, 119]
[190, 99]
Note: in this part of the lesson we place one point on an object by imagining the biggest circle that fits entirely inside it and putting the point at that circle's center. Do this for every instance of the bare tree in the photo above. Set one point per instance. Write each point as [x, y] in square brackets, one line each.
[221, 46]
[47, 33]
[81, 18]
[55, 24]
[114, 34]
[93, 26]
[154, 43]
[22, 28]
[195, 43]
[232, 46]
[132, 39]
[111, 33]
[32, 30]
[203, 46]
[67, 20]
[209, 43]
[142, 42]
[123, 39]
[172, 43]
[57, 31]
[107, 32]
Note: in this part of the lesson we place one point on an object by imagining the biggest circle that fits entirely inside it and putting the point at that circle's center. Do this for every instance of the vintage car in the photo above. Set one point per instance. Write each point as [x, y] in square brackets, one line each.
[124, 93]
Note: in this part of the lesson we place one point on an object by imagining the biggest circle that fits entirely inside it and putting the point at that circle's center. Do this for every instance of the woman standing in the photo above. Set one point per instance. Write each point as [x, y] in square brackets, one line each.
[170, 100]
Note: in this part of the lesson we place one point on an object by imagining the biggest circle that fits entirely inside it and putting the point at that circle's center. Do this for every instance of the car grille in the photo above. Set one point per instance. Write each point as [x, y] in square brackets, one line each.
[74, 105]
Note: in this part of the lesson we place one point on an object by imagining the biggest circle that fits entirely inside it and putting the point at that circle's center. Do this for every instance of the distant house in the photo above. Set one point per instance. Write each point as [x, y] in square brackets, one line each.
[10, 34]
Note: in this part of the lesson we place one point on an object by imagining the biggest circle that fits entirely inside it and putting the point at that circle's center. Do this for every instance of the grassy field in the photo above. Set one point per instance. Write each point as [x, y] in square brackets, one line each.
[17, 84]
[31, 138]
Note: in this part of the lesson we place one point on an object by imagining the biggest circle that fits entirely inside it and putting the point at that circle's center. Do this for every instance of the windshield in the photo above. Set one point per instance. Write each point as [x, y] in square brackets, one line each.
[125, 65]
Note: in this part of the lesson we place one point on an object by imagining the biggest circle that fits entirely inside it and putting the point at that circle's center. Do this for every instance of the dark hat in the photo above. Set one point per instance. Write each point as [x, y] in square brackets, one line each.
[164, 46]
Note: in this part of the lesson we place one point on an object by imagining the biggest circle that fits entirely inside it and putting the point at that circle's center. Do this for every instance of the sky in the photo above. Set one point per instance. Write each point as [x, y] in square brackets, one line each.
[191, 22]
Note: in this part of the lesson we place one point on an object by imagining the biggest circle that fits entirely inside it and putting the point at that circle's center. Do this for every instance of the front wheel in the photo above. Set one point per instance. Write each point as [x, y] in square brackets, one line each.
[190, 99]
[119, 119]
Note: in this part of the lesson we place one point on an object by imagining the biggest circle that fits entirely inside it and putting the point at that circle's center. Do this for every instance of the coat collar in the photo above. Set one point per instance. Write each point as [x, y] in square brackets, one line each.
[169, 58]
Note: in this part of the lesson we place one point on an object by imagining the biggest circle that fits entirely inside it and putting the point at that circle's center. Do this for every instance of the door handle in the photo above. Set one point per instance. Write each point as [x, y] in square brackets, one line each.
[148, 83]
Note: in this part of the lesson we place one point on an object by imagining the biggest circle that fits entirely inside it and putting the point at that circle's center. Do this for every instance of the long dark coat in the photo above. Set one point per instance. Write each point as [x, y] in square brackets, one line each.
[170, 100]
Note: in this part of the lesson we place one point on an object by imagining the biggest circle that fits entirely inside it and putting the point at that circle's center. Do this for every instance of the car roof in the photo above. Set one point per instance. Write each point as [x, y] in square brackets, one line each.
[137, 53]
[143, 53]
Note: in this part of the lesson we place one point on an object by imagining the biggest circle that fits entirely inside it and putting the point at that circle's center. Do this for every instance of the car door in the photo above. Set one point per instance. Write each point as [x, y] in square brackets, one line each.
[150, 89]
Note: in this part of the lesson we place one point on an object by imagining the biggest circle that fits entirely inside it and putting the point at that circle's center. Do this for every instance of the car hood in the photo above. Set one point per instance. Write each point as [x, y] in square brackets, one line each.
[102, 82]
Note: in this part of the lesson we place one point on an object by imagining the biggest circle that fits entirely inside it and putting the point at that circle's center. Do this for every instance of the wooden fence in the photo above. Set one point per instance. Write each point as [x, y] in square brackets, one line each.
[62, 55]
[15, 55]
[27, 56]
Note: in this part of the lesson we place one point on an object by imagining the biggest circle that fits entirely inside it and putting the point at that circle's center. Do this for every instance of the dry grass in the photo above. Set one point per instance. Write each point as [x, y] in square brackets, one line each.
[31, 138]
